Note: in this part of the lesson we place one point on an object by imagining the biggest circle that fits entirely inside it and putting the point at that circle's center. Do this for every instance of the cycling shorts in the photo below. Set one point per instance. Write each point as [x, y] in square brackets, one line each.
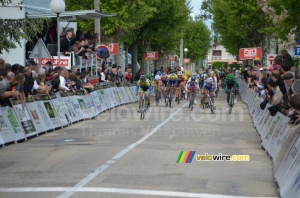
[172, 82]
[209, 89]
[144, 89]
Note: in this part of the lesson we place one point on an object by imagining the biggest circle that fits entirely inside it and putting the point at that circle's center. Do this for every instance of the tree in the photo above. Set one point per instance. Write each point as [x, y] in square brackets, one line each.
[13, 30]
[197, 39]
[245, 24]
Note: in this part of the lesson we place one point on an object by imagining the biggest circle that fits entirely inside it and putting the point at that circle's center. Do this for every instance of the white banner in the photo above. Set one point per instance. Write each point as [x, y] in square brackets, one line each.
[47, 111]
[35, 115]
[90, 105]
[60, 109]
[104, 101]
[6, 131]
[72, 109]
[15, 125]
[276, 120]
[128, 93]
[79, 105]
[97, 101]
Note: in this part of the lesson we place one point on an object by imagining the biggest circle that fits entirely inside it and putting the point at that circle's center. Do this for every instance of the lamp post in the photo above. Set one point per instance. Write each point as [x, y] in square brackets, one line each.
[185, 52]
[57, 7]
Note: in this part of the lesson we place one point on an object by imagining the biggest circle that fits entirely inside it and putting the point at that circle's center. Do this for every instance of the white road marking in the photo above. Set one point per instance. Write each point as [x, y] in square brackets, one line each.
[70, 191]
[124, 191]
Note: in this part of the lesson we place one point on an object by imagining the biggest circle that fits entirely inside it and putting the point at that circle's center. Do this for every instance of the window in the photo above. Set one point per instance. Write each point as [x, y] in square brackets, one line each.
[217, 53]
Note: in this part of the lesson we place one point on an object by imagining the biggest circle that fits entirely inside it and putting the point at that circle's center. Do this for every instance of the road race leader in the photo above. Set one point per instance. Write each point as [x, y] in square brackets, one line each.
[143, 85]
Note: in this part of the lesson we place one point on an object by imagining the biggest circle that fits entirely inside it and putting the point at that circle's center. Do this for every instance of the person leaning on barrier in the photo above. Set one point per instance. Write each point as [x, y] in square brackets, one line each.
[4, 92]
[295, 105]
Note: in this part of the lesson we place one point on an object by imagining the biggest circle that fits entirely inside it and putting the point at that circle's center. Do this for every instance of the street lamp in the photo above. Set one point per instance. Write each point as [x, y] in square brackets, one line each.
[57, 7]
[185, 52]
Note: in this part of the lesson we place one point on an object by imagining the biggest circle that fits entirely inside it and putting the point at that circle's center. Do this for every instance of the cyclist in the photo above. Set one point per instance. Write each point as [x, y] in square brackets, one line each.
[230, 81]
[143, 85]
[208, 86]
[192, 85]
[157, 84]
[180, 85]
[171, 81]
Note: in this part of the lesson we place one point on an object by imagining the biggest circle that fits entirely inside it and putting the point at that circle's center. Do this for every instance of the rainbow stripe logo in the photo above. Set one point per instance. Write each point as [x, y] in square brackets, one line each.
[181, 158]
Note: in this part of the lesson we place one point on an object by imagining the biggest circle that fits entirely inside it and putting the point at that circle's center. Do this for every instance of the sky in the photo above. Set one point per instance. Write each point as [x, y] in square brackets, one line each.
[196, 4]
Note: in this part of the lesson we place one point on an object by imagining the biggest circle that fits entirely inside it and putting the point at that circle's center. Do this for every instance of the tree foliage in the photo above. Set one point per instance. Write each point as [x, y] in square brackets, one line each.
[197, 39]
[240, 23]
[13, 30]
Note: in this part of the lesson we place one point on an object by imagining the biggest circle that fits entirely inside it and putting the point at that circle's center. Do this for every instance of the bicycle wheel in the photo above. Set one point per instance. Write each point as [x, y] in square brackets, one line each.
[156, 97]
[142, 107]
[192, 102]
[170, 96]
[210, 105]
[231, 102]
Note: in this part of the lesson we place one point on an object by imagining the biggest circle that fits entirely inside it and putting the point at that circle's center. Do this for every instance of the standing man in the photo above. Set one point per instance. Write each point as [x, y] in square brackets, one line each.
[67, 42]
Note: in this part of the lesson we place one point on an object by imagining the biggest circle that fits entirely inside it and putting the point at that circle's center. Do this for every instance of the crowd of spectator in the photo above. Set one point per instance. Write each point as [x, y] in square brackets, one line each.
[279, 85]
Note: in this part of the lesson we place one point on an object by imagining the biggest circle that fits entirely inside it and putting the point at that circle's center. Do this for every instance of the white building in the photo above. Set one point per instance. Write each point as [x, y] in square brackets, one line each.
[218, 53]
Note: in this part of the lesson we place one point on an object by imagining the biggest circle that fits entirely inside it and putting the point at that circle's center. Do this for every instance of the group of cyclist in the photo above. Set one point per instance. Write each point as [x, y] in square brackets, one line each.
[206, 83]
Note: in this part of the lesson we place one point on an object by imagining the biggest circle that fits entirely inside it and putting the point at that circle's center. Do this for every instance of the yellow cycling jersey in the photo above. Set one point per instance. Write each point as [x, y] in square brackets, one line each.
[172, 77]
[143, 84]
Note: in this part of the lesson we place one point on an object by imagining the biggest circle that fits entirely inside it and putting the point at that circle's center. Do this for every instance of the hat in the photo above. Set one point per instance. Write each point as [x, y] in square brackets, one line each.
[288, 76]
[32, 63]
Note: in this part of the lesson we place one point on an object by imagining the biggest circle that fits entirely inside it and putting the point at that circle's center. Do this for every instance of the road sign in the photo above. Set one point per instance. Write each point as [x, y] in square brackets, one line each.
[186, 60]
[113, 48]
[173, 58]
[270, 59]
[151, 56]
[250, 53]
[297, 51]
[101, 48]
[40, 50]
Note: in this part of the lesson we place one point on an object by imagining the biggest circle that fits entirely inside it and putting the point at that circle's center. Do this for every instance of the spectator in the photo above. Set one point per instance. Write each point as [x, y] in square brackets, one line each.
[277, 63]
[67, 42]
[63, 79]
[104, 75]
[20, 87]
[128, 75]
[113, 76]
[295, 104]
[29, 82]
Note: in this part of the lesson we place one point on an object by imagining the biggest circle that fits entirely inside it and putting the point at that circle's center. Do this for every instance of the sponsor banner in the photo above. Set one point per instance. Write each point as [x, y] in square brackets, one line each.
[60, 109]
[124, 95]
[90, 105]
[35, 115]
[291, 183]
[9, 114]
[23, 118]
[128, 93]
[6, 131]
[276, 120]
[80, 100]
[109, 97]
[103, 101]
[288, 162]
[47, 111]
[97, 101]
[280, 133]
[72, 106]
[263, 119]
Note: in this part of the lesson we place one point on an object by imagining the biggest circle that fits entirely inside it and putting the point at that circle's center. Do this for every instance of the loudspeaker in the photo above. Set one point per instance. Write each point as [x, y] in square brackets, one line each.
[52, 48]
[104, 53]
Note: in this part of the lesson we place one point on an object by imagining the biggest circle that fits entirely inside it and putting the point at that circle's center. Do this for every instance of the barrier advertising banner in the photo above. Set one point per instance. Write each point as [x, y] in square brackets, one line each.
[104, 102]
[47, 111]
[15, 125]
[107, 98]
[74, 113]
[128, 93]
[90, 105]
[6, 131]
[59, 109]
[23, 118]
[35, 116]
[78, 105]
[96, 99]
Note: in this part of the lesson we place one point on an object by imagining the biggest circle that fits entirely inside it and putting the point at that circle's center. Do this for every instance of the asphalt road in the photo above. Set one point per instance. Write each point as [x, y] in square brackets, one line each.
[119, 155]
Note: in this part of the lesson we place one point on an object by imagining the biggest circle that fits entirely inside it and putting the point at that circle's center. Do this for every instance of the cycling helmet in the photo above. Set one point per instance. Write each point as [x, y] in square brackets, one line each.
[143, 78]
[157, 77]
[209, 80]
[148, 76]
[212, 73]
[179, 73]
[230, 76]
[193, 78]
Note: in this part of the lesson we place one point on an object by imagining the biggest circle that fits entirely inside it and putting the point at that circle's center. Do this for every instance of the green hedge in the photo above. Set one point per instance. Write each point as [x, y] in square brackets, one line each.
[220, 65]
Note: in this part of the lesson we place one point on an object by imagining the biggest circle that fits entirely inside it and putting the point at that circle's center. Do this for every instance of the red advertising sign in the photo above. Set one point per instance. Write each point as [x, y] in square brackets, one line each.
[173, 58]
[186, 60]
[250, 53]
[151, 56]
[64, 62]
[113, 48]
